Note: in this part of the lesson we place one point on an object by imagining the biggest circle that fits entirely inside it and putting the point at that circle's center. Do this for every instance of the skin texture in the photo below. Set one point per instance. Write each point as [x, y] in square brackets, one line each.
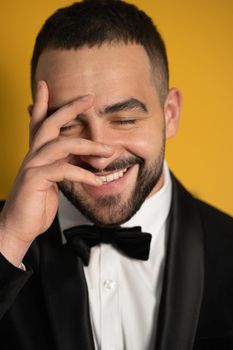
[104, 115]
[78, 72]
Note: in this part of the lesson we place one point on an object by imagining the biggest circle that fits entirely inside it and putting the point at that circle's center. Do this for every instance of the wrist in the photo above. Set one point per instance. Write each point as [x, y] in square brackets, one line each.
[12, 248]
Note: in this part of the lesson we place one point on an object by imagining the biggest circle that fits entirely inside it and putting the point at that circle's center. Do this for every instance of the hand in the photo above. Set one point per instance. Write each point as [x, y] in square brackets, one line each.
[33, 201]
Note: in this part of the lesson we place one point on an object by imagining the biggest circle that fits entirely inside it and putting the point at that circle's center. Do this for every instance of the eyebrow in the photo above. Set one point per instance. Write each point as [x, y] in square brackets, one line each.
[127, 105]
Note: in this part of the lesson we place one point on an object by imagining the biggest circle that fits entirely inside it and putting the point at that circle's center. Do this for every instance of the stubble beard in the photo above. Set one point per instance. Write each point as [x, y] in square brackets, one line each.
[112, 210]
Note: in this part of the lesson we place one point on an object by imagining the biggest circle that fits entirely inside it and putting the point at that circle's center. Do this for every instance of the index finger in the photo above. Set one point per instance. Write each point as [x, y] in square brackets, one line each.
[40, 107]
[50, 127]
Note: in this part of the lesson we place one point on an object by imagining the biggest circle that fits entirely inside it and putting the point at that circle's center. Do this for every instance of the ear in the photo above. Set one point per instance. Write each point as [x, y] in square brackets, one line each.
[172, 109]
[30, 108]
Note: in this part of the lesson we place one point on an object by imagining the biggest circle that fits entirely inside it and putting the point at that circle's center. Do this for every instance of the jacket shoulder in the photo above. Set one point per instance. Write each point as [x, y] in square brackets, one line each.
[215, 319]
[217, 229]
[217, 306]
[218, 241]
[214, 218]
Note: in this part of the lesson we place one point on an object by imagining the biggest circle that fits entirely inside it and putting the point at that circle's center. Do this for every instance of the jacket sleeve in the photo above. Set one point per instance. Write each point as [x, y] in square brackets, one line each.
[12, 280]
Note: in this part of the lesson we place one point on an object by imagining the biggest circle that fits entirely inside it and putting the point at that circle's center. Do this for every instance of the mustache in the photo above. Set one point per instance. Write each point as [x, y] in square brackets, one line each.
[116, 165]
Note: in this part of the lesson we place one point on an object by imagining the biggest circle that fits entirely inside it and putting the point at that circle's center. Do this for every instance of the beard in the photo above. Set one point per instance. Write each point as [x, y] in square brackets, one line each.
[113, 210]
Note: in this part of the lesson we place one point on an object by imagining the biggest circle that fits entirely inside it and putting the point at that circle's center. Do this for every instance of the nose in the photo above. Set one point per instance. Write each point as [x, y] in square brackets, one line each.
[100, 163]
[100, 133]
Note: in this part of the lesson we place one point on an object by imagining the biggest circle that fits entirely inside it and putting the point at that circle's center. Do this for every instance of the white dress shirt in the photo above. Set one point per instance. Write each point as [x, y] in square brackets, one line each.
[124, 293]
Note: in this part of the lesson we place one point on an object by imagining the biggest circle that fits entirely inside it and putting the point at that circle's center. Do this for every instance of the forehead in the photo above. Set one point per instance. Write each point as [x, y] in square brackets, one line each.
[116, 69]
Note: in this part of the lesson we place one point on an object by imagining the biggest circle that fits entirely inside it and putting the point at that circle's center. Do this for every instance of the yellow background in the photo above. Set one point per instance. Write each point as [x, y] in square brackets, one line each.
[199, 41]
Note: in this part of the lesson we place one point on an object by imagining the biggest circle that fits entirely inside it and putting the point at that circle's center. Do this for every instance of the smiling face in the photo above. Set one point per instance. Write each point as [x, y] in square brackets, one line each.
[126, 114]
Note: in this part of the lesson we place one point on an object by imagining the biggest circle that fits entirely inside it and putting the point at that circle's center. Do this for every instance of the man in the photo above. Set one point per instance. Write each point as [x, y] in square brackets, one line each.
[101, 115]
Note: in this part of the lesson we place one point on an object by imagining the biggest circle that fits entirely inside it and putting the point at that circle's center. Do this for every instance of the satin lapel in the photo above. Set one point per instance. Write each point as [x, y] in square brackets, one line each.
[184, 275]
[65, 293]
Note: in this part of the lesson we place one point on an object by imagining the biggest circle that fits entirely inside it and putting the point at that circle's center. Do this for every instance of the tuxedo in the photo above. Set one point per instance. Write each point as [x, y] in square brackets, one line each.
[47, 306]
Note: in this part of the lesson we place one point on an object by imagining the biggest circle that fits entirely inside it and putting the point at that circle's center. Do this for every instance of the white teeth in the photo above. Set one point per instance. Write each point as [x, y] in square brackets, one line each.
[113, 176]
[110, 177]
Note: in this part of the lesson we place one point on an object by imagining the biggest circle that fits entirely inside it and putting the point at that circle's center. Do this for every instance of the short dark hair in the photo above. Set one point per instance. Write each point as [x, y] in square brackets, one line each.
[95, 22]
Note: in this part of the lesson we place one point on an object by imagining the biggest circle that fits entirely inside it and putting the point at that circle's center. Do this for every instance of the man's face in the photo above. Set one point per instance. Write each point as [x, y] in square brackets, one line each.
[126, 113]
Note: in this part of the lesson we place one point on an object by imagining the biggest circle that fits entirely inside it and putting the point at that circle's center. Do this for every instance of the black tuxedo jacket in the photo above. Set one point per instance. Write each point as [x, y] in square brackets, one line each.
[47, 309]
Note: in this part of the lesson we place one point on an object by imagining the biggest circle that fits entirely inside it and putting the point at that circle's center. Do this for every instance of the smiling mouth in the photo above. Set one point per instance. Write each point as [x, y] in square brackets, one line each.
[114, 171]
[113, 176]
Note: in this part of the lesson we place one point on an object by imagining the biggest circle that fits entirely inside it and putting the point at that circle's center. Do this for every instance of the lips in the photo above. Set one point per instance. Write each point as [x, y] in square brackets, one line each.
[113, 182]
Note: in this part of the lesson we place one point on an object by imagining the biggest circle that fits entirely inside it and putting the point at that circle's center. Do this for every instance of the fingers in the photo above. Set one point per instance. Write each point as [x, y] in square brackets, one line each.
[50, 128]
[45, 176]
[41, 102]
[62, 148]
[49, 150]
[39, 111]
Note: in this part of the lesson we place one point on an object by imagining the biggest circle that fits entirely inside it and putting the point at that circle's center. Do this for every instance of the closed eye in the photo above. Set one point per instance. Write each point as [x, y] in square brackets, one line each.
[66, 128]
[70, 127]
[125, 121]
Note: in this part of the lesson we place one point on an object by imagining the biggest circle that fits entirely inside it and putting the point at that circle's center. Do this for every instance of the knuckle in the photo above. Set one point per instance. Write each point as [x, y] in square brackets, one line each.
[28, 174]
[61, 165]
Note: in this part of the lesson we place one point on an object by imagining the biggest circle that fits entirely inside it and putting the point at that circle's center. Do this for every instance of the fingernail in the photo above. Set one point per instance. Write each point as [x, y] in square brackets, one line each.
[39, 84]
[98, 180]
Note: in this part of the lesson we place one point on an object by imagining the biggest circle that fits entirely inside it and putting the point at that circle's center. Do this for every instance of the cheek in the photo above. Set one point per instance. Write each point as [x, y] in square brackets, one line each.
[146, 144]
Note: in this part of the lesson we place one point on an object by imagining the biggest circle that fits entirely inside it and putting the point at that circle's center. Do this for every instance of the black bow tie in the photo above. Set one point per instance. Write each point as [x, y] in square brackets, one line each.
[131, 241]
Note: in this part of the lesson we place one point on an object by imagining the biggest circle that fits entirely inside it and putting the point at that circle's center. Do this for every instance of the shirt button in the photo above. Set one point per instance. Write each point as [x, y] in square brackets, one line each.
[109, 284]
